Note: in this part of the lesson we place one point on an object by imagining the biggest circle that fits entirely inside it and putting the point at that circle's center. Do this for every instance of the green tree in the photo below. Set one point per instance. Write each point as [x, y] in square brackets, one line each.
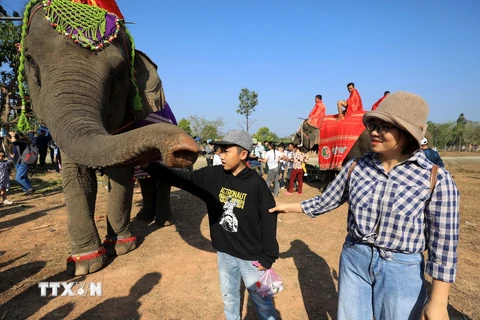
[206, 129]
[264, 133]
[211, 131]
[185, 125]
[459, 129]
[10, 35]
[472, 132]
[248, 102]
[442, 133]
[287, 139]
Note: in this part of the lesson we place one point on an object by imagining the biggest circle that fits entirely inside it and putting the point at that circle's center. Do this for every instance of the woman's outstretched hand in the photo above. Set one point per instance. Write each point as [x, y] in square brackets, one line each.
[286, 207]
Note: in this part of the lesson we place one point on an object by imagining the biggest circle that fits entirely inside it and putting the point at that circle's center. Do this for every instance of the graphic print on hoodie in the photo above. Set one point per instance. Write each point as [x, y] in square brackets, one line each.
[229, 221]
[231, 199]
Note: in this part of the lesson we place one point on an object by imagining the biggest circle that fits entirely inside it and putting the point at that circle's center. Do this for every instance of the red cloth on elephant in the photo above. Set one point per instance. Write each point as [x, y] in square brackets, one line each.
[109, 5]
[337, 139]
[317, 114]
[354, 103]
[375, 106]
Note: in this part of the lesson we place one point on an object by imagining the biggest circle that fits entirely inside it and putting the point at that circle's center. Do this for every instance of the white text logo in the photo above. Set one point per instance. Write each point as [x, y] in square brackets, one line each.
[71, 289]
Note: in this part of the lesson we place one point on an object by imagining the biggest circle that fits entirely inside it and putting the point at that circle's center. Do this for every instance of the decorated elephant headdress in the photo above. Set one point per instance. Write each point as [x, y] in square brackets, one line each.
[92, 24]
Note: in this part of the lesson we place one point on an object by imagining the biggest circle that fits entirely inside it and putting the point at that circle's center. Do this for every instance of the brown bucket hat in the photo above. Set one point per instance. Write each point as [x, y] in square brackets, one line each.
[405, 110]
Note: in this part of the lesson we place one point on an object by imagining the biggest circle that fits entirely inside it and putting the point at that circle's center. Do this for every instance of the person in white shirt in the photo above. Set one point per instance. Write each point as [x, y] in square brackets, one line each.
[272, 157]
[217, 161]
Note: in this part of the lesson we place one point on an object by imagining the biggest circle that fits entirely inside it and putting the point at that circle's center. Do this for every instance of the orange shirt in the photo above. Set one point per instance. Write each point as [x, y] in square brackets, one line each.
[316, 116]
[354, 103]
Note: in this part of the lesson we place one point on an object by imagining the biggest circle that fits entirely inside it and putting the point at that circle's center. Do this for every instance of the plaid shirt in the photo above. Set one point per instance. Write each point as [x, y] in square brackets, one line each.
[399, 202]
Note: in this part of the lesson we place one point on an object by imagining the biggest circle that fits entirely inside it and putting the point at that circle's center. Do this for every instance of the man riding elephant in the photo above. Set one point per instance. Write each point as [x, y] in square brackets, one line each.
[352, 106]
[86, 81]
[315, 118]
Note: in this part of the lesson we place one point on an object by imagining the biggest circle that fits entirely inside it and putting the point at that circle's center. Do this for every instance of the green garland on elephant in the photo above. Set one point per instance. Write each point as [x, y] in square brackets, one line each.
[94, 20]
[23, 124]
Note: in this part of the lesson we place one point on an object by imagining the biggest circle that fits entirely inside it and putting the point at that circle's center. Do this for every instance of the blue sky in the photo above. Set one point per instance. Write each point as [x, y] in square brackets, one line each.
[289, 51]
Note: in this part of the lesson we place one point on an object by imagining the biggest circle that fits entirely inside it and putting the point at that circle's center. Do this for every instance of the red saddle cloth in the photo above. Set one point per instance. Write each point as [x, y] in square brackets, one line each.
[337, 139]
[109, 5]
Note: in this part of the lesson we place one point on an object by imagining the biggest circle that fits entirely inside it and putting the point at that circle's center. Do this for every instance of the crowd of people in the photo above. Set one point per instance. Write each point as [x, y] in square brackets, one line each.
[15, 154]
[401, 202]
[284, 164]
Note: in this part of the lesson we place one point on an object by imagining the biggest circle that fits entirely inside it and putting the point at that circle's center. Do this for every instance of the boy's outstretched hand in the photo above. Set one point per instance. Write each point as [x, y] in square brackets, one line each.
[286, 207]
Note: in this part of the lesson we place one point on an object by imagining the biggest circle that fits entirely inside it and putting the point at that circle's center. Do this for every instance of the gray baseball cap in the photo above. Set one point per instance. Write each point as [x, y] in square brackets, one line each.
[236, 138]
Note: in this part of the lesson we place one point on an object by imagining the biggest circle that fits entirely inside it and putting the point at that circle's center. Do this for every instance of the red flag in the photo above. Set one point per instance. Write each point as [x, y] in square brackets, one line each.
[354, 103]
[109, 5]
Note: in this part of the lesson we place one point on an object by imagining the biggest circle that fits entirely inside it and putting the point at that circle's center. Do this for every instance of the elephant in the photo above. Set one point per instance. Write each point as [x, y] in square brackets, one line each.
[309, 138]
[86, 97]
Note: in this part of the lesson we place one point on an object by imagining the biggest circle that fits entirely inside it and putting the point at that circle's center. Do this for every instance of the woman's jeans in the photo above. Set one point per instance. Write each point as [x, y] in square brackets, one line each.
[232, 270]
[22, 176]
[273, 175]
[371, 287]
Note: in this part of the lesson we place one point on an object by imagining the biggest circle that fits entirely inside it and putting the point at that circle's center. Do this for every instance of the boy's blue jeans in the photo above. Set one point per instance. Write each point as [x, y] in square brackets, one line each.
[21, 176]
[370, 286]
[232, 270]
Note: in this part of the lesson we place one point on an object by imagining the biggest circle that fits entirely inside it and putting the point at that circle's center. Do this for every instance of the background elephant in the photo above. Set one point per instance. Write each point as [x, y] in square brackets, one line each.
[311, 138]
[310, 141]
[83, 96]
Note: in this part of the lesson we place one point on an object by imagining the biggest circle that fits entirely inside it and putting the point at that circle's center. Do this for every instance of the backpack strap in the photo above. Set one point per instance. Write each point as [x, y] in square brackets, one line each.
[353, 167]
[433, 179]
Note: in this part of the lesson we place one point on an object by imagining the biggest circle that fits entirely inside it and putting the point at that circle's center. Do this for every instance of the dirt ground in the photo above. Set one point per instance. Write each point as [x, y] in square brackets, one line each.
[173, 273]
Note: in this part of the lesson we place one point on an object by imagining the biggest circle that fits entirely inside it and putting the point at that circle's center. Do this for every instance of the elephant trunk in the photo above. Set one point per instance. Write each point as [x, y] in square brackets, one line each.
[83, 137]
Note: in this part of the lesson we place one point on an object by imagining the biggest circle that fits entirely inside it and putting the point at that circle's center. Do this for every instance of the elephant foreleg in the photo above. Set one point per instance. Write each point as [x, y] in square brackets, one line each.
[120, 188]
[164, 215]
[80, 189]
[149, 195]
[156, 202]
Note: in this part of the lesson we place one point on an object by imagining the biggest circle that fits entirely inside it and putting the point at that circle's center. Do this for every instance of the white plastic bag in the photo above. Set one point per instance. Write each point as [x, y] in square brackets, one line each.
[269, 284]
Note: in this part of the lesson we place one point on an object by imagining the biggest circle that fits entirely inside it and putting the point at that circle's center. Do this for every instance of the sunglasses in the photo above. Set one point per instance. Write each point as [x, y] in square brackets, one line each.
[380, 128]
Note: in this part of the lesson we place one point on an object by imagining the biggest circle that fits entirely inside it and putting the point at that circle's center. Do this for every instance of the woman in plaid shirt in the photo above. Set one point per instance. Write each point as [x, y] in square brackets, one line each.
[392, 218]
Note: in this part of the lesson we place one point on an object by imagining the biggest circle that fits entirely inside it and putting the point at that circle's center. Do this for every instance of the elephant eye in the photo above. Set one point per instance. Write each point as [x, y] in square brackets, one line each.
[33, 70]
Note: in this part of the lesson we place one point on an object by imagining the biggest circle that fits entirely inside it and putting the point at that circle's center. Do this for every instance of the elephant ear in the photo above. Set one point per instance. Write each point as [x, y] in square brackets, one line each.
[149, 86]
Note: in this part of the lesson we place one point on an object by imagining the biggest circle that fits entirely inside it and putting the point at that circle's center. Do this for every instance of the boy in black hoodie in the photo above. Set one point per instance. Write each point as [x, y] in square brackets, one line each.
[241, 228]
